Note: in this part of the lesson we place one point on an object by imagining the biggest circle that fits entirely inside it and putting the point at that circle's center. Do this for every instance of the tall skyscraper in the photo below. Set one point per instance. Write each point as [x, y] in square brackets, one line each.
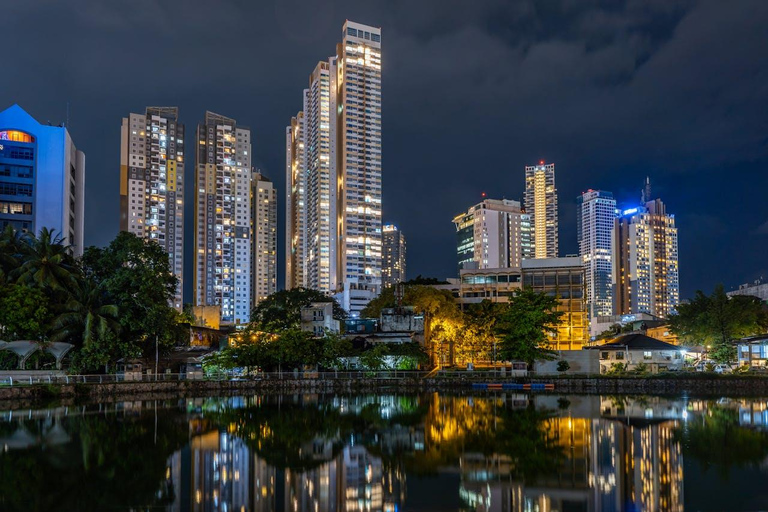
[42, 178]
[223, 243]
[492, 234]
[393, 256]
[152, 183]
[646, 260]
[264, 233]
[295, 205]
[333, 160]
[541, 204]
[595, 217]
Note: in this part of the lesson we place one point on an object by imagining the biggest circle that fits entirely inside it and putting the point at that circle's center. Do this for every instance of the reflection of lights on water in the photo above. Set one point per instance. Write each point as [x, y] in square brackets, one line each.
[685, 415]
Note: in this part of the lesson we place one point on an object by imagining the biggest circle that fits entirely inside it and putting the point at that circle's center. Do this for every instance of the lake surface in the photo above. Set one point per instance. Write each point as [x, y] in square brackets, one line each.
[426, 452]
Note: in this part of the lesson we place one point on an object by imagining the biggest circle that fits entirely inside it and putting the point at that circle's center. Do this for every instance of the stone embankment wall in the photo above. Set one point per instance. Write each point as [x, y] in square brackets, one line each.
[585, 385]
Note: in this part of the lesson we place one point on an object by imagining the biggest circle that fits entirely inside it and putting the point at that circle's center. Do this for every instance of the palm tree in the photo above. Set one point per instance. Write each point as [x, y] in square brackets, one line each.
[46, 262]
[10, 247]
[85, 318]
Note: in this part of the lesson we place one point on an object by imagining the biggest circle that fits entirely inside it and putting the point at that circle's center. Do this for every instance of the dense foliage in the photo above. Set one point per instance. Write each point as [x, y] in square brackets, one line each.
[282, 310]
[523, 325]
[716, 320]
[296, 349]
[110, 304]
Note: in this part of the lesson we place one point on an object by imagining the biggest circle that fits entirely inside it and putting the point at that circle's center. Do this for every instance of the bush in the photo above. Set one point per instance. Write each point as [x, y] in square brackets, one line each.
[563, 366]
[709, 367]
[641, 369]
[617, 369]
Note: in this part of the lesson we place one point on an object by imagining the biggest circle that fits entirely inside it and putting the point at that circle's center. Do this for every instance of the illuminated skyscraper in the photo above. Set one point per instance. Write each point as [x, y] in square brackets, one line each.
[541, 204]
[333, 160]
[393, 256]
[295, 205]
[152, 183]
[223, 244]
[492, 234]
[646, 274]
[264, 233]
[42, 178]
[595, 216]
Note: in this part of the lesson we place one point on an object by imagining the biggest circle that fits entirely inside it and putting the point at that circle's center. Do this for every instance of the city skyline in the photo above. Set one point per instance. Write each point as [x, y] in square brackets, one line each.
[645, 133]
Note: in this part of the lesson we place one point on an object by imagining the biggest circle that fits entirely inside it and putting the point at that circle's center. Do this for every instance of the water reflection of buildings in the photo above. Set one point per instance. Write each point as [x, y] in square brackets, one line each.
[606, 465]
[212, 473]
[217, 472]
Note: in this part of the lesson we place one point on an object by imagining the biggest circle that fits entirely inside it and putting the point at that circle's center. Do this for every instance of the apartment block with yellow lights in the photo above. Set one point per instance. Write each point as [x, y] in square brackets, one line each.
[295, 204]
[333, 169]
[646, 274]
[540, 203]
[223, 243]
[264, 235]
[393, 256]
[152, 183]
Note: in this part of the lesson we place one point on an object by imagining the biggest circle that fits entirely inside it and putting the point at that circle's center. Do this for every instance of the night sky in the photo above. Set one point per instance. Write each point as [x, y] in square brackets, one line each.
[611, 91]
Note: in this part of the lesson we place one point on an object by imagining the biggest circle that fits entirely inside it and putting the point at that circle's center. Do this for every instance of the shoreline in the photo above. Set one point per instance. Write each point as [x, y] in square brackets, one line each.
[585, 385]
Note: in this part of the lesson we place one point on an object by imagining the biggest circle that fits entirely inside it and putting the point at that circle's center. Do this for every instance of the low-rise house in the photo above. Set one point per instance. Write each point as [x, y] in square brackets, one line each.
[633, 350]
[753, 351]
[317, 318]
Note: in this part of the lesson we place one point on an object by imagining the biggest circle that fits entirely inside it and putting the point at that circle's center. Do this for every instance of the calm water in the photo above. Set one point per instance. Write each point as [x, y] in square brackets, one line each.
[428, 452]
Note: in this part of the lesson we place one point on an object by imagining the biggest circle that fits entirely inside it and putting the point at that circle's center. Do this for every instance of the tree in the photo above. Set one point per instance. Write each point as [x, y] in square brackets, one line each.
[282, 310]
[86, 318]
[25, 313]
[563, 366]
[717, 320]
[46, 262]
[523, 324]
[136, 276]
[334, 349]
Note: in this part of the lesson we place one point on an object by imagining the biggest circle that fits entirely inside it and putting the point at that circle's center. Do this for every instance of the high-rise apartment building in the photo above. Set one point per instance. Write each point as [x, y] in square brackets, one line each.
[646, 274]
[264, 234]
[333, 162]
[541, 204]
[152, 183]
[223, 245]
[595, 217]
[494, 233]
[295, 205]
[393, 256]
[42, 178]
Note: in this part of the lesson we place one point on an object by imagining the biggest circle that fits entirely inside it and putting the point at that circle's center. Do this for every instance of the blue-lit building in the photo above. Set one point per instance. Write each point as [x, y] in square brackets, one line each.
[42, 178]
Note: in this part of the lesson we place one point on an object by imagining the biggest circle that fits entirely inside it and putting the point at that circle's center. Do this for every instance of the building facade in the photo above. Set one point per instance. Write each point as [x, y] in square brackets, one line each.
[757, 289]
[646, 275]
[223, 245]
[492, 234]
[152, 183]
[595, 217]
[333, 162]
[42, 178]
[295, 205]
[264, 235]
[393, 256]
[562, 278]
[541, 205]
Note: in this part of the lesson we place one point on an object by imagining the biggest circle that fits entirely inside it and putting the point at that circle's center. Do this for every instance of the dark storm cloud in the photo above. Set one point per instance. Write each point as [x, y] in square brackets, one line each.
[609, 90]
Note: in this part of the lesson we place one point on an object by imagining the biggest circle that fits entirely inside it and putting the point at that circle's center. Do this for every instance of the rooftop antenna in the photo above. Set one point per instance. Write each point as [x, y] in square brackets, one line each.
[67, 116]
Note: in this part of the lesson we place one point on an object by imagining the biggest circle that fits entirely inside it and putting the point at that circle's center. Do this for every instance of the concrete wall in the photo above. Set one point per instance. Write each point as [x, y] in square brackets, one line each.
[581, 361]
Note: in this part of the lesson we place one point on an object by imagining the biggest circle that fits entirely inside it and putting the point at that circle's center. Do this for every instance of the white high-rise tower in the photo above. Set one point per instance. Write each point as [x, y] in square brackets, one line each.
[595, 218]
[333, 162]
